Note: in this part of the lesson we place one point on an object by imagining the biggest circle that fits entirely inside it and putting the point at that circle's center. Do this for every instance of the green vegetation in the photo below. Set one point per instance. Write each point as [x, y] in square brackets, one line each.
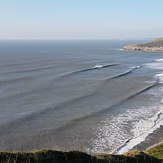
[156, 151]
[152, 155]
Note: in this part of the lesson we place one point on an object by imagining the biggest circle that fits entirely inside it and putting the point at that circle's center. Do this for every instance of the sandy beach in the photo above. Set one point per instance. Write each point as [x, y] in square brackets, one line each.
[154, 138]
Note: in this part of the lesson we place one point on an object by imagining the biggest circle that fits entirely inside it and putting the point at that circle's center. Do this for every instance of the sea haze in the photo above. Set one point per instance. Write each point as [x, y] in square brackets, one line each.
[84, 95]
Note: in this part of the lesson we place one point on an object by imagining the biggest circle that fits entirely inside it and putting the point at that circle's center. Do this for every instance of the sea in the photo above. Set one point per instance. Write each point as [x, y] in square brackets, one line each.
[86, 95]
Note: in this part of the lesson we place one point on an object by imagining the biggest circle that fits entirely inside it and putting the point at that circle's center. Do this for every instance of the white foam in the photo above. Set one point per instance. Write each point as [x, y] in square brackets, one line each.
[159, 77]
[127, 129]
[135, 67]
[142, 130]
[159, 60]
[157, 65]
[121, 49]
[98, 66]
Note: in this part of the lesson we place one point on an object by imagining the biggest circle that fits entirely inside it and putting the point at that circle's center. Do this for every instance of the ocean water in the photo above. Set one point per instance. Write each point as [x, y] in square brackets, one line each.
[85, 95]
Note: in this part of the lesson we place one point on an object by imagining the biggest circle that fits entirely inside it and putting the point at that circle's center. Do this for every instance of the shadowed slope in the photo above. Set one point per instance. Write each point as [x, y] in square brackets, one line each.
[49, 156]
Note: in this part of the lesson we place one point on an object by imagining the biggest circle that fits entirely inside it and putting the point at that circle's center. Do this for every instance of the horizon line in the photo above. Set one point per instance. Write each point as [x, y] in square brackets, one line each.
[74, 39]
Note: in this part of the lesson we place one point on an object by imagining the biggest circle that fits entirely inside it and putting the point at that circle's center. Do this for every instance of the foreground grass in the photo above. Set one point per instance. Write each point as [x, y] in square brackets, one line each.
[156, 151]
[152, 155]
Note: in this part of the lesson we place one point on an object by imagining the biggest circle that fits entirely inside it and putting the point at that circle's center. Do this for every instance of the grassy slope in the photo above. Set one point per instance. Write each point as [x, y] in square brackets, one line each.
[156, 151]
[154, 43]
[152, 155]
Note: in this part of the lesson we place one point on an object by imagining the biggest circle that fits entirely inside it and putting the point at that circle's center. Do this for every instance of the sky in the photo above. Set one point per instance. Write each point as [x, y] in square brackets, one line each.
[81, 19]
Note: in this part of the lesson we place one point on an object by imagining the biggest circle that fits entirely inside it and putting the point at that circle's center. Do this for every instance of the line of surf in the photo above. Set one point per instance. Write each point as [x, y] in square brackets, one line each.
[6, 81]
[24, 63]
[29, 70]
[128, 98]
[96, 67]
[35, 90]
[127, 72]
[130, 71]
[33, 116]
[74, 121]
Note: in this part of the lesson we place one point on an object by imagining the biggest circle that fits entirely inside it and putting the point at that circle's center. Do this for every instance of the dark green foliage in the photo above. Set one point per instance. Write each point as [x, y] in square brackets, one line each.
[152, 155]
[45, 156]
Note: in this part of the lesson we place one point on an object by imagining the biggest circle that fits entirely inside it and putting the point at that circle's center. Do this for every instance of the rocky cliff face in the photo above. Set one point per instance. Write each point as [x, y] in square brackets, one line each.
[155, 46]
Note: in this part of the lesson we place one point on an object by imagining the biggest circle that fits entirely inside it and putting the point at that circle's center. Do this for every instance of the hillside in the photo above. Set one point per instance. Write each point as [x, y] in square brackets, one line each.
[152, 155]
[155, 46]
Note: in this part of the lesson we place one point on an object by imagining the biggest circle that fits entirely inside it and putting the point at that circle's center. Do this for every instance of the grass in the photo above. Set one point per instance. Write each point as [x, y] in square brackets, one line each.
[152, 155]
[156, 151]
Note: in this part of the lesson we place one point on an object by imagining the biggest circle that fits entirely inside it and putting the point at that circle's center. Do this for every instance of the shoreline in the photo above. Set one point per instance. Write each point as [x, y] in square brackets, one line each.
[156, 136]
[151, 140]
[139, 48]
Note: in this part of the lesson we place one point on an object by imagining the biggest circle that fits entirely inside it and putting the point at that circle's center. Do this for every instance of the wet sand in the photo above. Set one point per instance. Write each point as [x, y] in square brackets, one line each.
[151, 140]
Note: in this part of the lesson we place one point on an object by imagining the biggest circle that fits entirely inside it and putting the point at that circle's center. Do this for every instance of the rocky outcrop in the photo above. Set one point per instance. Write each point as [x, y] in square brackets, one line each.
[153, 46]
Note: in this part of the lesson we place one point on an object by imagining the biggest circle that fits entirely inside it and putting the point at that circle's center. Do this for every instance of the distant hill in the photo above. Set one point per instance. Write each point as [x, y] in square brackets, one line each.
[155, 46]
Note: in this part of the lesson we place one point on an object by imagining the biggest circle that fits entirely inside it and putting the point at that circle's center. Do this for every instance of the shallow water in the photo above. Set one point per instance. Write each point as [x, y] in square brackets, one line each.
[86, 95]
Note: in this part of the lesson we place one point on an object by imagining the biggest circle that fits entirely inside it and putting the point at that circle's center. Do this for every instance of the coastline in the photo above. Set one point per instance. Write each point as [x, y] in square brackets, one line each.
[156, 136]
[140, 48]
[151, 140]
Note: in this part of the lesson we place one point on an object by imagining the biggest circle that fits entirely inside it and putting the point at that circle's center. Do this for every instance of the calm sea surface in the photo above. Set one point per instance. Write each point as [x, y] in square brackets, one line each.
[86, 95]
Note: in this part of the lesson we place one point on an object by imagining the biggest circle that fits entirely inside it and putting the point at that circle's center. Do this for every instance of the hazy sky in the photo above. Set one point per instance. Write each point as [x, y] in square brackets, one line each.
[81, 19]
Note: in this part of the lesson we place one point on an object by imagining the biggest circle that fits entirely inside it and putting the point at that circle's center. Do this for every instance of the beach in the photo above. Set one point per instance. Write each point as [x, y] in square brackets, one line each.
[152, 140]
